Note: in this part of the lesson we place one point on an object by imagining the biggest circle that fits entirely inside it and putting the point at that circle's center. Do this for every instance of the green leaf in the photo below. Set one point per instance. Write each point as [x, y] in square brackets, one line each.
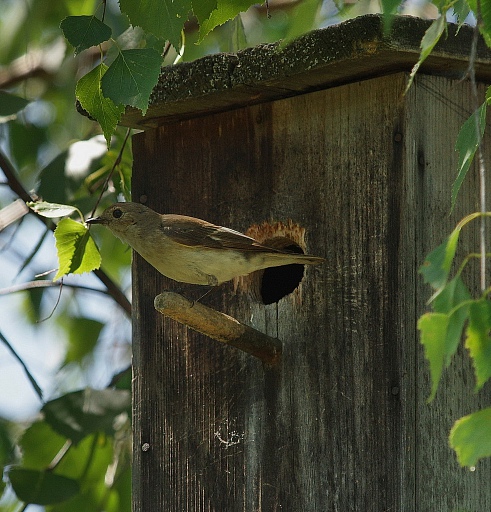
[52, 210]
[202, 9]
[163, 18]
[431, 37]
[83, 336]
[478, 341]
[84, 412]
[11, 104]
[82, 32]
[305, 15]
[470, 437]
[454, 294]
[132, 76]
[226, 10]
[461, 9]
[90, 457]
[467, 143]
[77, 252]
[88, 91]
[41, 487]
[433, 327]
[437, 264]
[485, 18]
[39, 445]
[441, 331]
[389, 8]
[87, 461]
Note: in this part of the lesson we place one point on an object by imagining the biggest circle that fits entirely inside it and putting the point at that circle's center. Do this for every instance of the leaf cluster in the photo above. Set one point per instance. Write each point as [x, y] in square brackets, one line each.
[455, 314]
[67, 457]
[105, 91]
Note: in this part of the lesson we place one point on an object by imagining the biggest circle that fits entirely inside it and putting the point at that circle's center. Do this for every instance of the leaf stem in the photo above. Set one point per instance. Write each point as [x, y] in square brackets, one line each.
[117, 161]
[482, 167]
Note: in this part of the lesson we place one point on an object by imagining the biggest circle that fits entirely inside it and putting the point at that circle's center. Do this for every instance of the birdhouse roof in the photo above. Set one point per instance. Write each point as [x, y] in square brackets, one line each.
[350, 51]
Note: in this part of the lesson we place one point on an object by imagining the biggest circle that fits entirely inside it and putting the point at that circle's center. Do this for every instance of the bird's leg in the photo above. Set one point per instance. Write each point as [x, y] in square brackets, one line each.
[211, 288]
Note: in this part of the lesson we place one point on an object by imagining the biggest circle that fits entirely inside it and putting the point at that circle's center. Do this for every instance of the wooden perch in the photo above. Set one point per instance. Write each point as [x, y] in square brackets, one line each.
[219, 326]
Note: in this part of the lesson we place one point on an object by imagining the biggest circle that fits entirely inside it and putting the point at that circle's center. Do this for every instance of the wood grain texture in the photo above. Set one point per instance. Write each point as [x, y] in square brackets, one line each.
[342, 422]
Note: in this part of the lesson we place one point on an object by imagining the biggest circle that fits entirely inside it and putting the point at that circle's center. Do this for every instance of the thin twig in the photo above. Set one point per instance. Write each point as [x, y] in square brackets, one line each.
[59, 456]
[30, 285]
[109, 176]
[32, 380]
[55, 306]
[15, 185]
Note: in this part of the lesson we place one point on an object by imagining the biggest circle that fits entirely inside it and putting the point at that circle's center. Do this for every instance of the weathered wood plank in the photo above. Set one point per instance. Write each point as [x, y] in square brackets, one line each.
[341, 424]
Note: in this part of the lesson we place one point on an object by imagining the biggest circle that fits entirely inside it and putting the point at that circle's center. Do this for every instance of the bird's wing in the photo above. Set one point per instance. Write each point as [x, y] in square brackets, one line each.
[191, 232]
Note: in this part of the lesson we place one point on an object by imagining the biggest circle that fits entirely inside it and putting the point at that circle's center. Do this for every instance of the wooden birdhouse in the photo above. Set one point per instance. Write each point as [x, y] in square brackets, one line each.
[314, 147]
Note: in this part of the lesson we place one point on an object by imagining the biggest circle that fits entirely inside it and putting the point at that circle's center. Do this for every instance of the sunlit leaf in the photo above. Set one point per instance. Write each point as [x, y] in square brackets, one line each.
[470, 437]
[163, 18]
[77, 252]
[88, 91]
[84, 412]
[441, 331]
[39, 445]
[225, 10]
[82, 32]
[433, 327]
[41, 487]
[467, 143]
[478, 341]
[96, 448]
[132, 76]
[455, 293]
[52, 210]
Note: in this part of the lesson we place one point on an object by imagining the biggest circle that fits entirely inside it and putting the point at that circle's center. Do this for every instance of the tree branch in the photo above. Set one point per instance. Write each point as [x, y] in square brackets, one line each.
[16, 186]
[44, 283]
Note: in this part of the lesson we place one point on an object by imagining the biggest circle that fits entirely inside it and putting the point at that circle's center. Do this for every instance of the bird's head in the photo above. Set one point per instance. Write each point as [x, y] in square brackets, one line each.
[121, 217]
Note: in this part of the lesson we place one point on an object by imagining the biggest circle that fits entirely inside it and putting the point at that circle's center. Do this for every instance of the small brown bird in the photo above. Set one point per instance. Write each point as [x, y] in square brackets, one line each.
[191, 250]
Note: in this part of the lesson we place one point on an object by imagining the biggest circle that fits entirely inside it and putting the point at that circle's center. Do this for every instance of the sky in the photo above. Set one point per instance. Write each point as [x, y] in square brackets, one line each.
[42, 346]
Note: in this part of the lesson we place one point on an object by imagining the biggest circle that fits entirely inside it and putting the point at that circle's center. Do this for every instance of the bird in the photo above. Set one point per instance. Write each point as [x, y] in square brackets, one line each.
[190, 250]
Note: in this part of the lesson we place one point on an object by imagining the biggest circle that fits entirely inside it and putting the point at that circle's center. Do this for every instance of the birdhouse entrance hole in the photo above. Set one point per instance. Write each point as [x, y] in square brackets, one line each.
[278, 282]
[272, 284]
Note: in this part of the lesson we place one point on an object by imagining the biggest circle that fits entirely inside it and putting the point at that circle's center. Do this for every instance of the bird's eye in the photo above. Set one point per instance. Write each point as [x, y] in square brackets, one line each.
[117, 213]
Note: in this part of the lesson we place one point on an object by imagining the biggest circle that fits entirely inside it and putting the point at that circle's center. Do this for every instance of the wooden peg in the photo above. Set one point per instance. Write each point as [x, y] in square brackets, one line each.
[219, 326]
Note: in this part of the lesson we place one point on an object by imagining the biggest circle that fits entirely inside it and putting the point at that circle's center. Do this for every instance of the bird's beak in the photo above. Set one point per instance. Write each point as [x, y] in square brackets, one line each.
[94, 220]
